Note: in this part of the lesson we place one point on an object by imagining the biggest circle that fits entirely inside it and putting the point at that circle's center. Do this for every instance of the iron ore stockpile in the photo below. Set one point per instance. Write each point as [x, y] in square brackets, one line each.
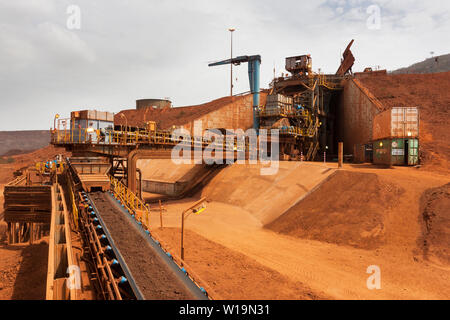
[153, 277]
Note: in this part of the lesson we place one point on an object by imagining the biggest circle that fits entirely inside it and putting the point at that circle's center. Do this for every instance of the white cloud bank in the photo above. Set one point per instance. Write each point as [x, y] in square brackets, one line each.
[126, 50]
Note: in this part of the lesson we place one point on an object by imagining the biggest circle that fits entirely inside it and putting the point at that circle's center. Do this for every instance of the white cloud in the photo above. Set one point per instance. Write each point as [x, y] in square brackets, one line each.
[129, 50]
[62, 44]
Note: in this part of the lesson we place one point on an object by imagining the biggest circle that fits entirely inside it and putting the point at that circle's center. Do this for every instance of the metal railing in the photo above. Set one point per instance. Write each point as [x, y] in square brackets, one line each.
[304, 132]
[131, 201]
[327, 84]
[17, 181]
[130, 138]
[45, 167]
[73, 205]
[294, 131]
[112, 137]
[281, 113]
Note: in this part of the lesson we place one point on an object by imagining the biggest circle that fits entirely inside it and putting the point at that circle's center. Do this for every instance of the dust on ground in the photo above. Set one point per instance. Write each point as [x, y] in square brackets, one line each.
[23, 271]
[435, 221]
[231, 274]
[346, 210]
[337, 270]
[23, 267]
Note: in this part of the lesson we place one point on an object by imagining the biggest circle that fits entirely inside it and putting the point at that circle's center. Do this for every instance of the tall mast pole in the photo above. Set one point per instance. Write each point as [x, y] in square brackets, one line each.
[231, 64]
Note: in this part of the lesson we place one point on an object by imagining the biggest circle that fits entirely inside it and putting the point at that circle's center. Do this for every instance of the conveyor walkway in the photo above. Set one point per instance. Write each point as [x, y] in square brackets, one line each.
[153, 271]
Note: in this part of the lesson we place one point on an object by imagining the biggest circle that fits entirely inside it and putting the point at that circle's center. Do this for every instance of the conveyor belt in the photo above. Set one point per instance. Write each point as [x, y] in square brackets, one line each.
[151, 270]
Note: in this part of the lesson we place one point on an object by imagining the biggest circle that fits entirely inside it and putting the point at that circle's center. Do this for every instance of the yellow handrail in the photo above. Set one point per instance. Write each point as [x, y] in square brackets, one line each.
[41, 168]
[131, 201]
[74, 206]
[130, 138]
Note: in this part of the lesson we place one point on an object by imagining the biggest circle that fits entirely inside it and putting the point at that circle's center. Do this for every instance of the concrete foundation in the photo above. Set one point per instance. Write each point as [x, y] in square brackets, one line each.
[166, 178]
[168, 188]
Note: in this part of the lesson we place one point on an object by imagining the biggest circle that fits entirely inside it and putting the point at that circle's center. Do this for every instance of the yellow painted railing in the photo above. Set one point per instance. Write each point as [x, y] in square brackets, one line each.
[284, 113]
[117, 137]
[16, 181]
[294, 130]
[41, 167]
[131, 201]
[323, 82]
[74, 205]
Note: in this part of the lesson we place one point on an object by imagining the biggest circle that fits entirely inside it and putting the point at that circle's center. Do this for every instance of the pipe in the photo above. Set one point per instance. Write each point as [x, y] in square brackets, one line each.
[253, 76]
[140, 182]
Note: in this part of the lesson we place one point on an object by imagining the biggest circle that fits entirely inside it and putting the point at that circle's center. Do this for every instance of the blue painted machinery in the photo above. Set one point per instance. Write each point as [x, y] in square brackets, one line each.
[254, 63]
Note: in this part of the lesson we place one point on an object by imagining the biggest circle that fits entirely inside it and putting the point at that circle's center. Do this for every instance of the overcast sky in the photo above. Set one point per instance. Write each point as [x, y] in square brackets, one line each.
[127, 50]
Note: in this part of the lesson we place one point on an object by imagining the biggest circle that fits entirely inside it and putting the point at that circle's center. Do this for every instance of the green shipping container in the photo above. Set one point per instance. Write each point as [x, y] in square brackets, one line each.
[396, 152]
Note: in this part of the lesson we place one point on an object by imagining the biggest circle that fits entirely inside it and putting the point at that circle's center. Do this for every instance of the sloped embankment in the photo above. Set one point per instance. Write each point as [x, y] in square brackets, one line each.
[435, 222]
[266, 197]
[348, 209]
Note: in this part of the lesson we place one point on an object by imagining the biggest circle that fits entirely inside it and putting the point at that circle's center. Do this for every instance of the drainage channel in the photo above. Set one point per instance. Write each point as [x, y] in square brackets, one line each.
[151, 272]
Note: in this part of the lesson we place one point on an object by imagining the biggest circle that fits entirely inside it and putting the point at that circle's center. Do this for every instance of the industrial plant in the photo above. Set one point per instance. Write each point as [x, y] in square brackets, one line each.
[298, 189]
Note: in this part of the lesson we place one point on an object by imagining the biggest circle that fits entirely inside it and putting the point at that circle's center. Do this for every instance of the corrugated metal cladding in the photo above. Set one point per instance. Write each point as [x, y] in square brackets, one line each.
[396, 151]
[398, 122]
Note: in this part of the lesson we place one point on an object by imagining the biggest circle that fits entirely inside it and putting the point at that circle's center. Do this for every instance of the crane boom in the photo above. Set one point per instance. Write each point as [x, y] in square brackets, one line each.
[254, 63]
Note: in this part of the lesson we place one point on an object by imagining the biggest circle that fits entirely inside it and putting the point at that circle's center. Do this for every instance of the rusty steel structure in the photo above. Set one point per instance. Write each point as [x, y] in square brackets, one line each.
[124, 148]
[27, 209]
[78, 215]
[304, 106]
[92, 171]
[307, 121]
[347, 61]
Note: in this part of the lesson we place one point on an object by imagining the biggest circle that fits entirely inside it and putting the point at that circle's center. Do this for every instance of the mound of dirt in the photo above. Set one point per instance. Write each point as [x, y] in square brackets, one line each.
[23, 271]
[266, 197]
[435, 222]
[231, 274]
[429, 92]
[347, 209]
